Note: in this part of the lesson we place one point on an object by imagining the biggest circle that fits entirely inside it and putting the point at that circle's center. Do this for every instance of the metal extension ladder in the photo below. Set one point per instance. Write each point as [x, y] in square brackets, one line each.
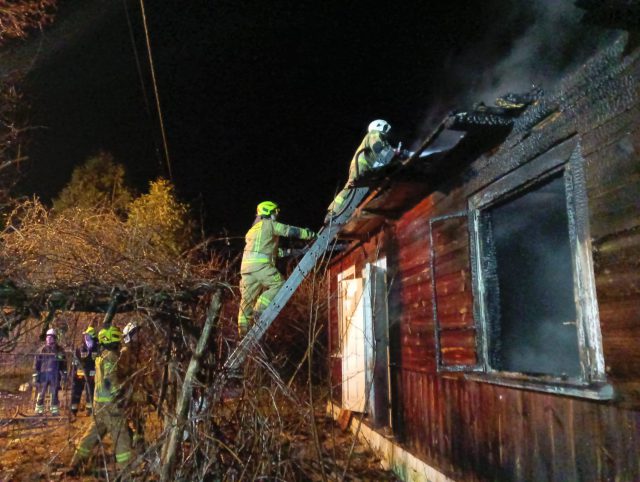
[323, 242]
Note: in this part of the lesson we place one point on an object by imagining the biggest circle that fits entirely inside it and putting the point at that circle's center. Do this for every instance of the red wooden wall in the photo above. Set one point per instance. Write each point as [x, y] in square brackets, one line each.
[473, 430]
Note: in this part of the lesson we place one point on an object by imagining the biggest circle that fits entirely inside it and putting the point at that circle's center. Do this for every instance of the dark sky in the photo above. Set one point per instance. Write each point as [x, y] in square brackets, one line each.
[267, 100]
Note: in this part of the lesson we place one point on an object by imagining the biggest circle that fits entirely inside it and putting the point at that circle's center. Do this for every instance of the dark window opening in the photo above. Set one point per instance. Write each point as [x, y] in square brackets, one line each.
[529, 281]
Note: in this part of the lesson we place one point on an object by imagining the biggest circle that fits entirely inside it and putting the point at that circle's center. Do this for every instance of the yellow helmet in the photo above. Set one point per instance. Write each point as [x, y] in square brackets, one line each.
[109, 335]
[267, 208]
[90, 331]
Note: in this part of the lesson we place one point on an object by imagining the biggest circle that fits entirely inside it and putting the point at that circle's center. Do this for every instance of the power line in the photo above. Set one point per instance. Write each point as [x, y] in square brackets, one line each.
[143, 85]
[155, 90]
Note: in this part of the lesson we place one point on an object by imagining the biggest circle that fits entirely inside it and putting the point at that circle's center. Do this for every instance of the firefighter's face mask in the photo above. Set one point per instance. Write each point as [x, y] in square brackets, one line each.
[89, 341]
[50, 340]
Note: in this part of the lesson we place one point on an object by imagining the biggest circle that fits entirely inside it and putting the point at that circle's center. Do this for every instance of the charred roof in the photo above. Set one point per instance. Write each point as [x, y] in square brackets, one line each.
[460, 138]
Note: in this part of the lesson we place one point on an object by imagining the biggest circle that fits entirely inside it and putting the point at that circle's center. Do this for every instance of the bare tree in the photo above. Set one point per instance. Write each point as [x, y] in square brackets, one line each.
[13, 130]
[19, 17]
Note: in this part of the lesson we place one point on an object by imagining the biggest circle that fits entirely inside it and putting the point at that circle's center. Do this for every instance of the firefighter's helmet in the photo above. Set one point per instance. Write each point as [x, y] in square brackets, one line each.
[91, 331]
[380, 126]
[110, 335]
[129, 331]
[50, 332]
[267, 208]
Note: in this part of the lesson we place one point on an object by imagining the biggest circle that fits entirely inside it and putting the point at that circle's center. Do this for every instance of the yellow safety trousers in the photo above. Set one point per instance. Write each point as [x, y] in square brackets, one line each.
[253, 300]
[107, 418]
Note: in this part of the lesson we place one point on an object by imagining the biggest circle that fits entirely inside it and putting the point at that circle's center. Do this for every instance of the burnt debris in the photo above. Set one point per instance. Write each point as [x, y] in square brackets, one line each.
[502, 114]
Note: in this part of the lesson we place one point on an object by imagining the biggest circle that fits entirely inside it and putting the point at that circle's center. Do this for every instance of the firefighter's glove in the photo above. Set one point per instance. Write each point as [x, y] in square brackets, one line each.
[307, 234]
[404, 153]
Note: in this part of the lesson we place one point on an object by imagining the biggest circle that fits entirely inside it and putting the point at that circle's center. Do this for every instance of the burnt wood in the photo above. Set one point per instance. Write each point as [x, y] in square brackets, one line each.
[471, 428]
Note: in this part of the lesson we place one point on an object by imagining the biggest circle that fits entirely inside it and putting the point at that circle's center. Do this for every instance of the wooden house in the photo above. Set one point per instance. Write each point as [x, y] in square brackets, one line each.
[484, 320]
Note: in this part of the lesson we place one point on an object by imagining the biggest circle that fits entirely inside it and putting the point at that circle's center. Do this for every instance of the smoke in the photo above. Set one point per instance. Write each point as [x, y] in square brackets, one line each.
[526, 43]
[551, 46]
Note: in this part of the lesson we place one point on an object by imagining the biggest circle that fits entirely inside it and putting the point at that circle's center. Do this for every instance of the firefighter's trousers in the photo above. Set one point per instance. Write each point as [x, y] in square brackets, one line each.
[337, 205]
[108, 417]
[82, 384]
[257, 289]
[49, 382]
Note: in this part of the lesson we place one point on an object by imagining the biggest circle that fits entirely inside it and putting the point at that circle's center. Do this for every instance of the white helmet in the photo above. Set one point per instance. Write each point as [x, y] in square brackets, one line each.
[50, 332]
[379, 125]
[129, 330]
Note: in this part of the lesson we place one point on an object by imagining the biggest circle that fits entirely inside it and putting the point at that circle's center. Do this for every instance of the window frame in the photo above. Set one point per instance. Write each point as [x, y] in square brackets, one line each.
[348, 273]
[438, 329]
[567, 159]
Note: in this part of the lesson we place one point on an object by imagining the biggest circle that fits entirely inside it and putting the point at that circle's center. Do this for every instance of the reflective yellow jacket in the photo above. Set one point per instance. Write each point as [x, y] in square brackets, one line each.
[261, 243]
[107, 380]
[367, 154]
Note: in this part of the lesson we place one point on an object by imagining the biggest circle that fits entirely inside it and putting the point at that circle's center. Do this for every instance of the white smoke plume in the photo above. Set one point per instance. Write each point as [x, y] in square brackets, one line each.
[531, 43]
[551, 46]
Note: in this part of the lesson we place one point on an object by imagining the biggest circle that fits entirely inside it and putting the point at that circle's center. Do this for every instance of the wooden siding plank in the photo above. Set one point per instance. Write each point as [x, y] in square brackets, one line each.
[480, 431]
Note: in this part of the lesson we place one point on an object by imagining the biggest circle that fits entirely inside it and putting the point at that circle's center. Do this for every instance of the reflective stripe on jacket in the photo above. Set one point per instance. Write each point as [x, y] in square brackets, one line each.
[107, 382]
[261, 243]
[367, 154]
[85, 360]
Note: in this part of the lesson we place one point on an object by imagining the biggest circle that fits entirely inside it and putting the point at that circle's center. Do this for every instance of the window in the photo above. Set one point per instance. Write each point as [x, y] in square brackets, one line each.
[534, 298]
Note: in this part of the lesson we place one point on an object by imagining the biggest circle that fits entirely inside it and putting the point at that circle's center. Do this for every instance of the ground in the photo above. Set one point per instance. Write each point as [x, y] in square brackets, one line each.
[39, 448]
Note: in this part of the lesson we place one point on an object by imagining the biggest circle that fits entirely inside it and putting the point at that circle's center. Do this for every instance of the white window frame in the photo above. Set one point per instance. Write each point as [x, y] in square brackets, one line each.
[565, 158]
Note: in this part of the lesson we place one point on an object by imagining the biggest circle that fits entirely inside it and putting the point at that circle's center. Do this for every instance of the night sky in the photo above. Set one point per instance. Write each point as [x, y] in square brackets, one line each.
[268, 100]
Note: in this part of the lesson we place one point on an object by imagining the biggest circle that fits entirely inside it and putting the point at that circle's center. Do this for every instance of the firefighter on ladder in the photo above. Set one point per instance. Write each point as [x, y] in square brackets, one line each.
[108, 416]
[84, 371]
[366, 158]
[50, 368]
[260, 279]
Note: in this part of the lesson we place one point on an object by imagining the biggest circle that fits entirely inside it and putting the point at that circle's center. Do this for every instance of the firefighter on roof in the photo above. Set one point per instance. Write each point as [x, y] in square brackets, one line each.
[260, 279]
[50, 368]
[84, 370]
[368, 156]
[108, 416]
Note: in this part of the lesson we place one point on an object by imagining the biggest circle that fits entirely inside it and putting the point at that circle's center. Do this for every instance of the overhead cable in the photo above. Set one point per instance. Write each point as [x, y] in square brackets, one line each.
[155, 90]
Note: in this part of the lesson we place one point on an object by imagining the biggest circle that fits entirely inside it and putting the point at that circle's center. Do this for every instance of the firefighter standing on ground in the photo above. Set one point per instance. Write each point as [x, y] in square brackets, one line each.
[108, 416]
[260, 278]
[50, 368]
[84, 371]
[367, 157]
